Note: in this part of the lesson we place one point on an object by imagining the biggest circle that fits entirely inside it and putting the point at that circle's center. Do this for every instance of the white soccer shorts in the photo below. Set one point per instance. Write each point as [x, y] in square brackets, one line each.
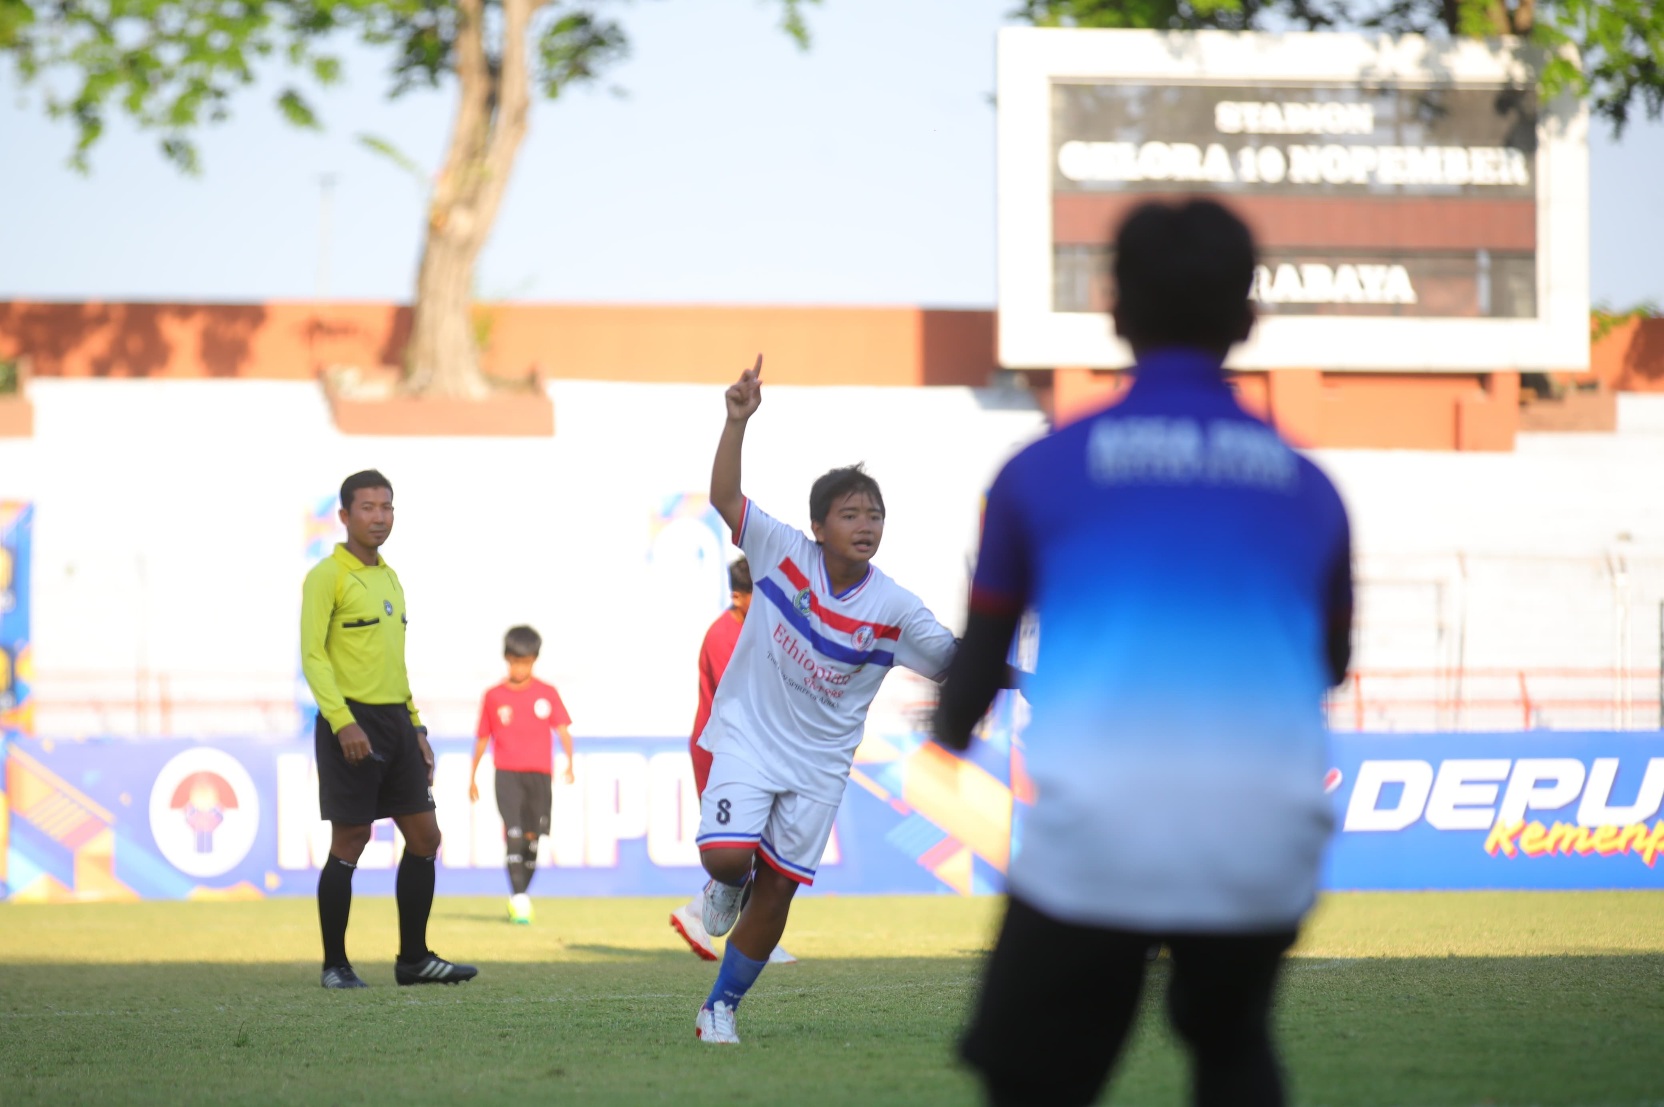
[742, 810]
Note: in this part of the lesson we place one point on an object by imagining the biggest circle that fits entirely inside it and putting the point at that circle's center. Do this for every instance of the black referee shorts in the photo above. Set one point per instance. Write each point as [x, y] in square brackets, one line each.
[1059, 999]
[393, 780]
[524, 800]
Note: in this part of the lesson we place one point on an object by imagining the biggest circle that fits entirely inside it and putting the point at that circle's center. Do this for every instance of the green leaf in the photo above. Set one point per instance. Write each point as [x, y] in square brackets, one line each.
[574, 48]
[795, 23]
[15, 16]
[296, 110]
[398, 157]
[1609, 52]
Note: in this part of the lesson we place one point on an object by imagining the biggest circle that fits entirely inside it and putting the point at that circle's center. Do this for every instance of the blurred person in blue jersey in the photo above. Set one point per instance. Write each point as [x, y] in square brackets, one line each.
[1192, 578]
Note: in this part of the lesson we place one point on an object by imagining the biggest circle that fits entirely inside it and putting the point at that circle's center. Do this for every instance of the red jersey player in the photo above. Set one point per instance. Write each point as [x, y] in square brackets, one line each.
[714, 653]
[515, 720]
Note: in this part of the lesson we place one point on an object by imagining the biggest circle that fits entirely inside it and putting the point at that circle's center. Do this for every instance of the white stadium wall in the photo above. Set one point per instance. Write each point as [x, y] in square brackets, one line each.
[171, 531]
[1485, 572]
[172, 517]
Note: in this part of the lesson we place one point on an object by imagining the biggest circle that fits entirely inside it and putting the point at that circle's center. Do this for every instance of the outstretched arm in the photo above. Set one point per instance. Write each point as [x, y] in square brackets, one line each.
[742, 398]
[978, 671]
[1338, 640]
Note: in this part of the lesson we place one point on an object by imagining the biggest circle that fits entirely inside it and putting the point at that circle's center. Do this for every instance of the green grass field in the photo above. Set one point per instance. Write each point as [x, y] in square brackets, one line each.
[1478, 998]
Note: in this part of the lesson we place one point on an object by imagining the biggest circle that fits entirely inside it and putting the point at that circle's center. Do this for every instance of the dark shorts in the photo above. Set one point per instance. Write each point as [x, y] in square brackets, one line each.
[523, 800]
[1069, 994]
[393, 780]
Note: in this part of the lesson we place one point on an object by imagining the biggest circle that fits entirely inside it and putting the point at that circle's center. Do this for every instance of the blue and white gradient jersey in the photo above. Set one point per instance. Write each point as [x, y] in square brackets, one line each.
[1185, 565]
[793, 701]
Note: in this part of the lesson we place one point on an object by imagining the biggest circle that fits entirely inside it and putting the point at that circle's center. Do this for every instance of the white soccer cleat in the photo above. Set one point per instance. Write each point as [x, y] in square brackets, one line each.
[715, 1025]
[687, 924]
[779, 956]
[721, 906]
[520, 909]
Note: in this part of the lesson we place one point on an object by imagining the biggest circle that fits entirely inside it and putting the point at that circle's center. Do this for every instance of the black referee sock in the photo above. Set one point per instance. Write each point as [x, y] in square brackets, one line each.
[334, 905]
[414, 891]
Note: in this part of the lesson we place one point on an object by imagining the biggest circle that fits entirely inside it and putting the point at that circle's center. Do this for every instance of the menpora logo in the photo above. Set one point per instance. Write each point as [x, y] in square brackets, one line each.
[1501, 795]
[204, 812]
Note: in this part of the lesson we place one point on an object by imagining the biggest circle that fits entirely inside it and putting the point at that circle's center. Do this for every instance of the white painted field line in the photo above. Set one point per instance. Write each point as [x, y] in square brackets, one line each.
[472, 1001]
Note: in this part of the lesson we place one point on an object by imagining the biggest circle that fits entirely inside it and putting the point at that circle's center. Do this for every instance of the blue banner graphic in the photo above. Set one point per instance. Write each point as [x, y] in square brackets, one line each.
[1542, 809]
[17, 522]
[111, 819]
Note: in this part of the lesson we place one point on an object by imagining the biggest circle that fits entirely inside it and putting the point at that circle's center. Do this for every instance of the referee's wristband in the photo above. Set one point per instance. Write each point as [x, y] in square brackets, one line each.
[422, 731]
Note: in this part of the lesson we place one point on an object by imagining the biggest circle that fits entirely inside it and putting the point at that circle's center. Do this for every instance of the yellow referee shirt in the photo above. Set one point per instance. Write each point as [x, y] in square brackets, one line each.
[352, 620]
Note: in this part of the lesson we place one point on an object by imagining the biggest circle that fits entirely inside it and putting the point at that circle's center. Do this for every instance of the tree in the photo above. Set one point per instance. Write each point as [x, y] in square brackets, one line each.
[1620, 42]
[173, 66]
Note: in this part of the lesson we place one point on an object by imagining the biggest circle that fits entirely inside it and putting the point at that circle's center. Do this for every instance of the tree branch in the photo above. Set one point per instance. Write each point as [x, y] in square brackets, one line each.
[471, 128]
[513, 89]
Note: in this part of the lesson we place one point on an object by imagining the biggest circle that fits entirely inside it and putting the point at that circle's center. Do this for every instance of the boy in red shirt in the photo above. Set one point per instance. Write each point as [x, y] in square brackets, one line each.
[714, 654]
[515, 720]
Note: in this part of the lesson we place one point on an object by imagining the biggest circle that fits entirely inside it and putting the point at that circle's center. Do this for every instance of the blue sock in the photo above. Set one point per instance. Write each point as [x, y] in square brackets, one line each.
[735, 978]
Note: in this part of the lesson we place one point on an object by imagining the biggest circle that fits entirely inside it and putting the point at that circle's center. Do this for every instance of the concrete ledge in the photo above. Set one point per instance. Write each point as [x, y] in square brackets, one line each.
[520, 412]
[17, 417]
[1594, 409]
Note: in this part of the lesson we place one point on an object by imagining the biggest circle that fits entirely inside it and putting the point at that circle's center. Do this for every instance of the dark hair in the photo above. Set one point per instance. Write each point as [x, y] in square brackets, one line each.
[1182, 274]
[739, 576]
[369, 478]
[522, 642]
[834, 486]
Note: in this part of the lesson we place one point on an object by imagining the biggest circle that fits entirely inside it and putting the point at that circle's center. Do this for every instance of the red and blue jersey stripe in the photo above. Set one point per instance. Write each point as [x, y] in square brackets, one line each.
[799, 620]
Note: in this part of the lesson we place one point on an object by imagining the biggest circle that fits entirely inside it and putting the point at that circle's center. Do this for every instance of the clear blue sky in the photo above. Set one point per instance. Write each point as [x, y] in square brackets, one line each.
[735, 169]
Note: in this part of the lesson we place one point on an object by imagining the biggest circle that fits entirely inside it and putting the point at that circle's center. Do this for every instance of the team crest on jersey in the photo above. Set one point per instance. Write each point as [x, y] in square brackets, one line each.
[505, 714]
[387, 606]
[802, 602]
[541, 709]
[863, 637]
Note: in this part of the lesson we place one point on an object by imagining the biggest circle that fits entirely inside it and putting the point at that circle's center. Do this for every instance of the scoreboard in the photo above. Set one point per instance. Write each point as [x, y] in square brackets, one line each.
[1417, 207]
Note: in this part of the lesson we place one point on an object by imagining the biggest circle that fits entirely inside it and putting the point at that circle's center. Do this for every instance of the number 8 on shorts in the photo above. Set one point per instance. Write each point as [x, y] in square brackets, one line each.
[742, 809]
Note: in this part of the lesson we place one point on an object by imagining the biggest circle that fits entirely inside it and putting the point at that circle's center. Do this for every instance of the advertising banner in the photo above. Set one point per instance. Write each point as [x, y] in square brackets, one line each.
[163, 819]
[110, 819]
[1542, 809]
[17, 522]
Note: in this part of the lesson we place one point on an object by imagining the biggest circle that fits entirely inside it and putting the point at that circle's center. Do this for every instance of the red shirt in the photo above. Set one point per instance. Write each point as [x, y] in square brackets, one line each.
[714, 653]
[519, 722]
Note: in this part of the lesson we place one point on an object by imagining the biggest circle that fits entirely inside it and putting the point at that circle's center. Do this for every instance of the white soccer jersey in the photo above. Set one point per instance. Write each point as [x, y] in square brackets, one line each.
[793, 701]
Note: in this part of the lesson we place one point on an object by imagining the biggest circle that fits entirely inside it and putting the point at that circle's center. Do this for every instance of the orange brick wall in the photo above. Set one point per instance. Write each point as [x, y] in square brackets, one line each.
[807, 345]
[1630, 357]
[1414, 411]
[802, 345]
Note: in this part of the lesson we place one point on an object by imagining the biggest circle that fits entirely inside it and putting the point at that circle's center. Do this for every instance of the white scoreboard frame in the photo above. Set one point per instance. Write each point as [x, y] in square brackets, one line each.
[1033, 336]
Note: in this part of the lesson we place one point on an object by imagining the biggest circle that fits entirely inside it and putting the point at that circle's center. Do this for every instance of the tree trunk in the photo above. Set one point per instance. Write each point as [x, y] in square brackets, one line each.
[1510, 17]
[485, 138]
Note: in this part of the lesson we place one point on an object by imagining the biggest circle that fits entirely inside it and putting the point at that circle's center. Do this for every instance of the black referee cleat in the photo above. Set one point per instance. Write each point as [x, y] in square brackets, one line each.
[432, 969]
[341, 976]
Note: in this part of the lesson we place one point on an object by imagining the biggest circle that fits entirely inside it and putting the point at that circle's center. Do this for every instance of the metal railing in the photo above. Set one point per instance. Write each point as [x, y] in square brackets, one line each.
[1499, 698]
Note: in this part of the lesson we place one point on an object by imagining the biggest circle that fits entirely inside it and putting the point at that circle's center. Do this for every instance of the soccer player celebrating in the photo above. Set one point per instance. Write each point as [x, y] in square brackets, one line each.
[788, 715]
[516, 718]
[1192, 578]
[714, 654]
[374, 761]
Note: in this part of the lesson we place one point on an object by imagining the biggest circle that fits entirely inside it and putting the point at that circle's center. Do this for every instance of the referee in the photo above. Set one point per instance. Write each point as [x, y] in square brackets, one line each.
[374, 761]
[1192, 579]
